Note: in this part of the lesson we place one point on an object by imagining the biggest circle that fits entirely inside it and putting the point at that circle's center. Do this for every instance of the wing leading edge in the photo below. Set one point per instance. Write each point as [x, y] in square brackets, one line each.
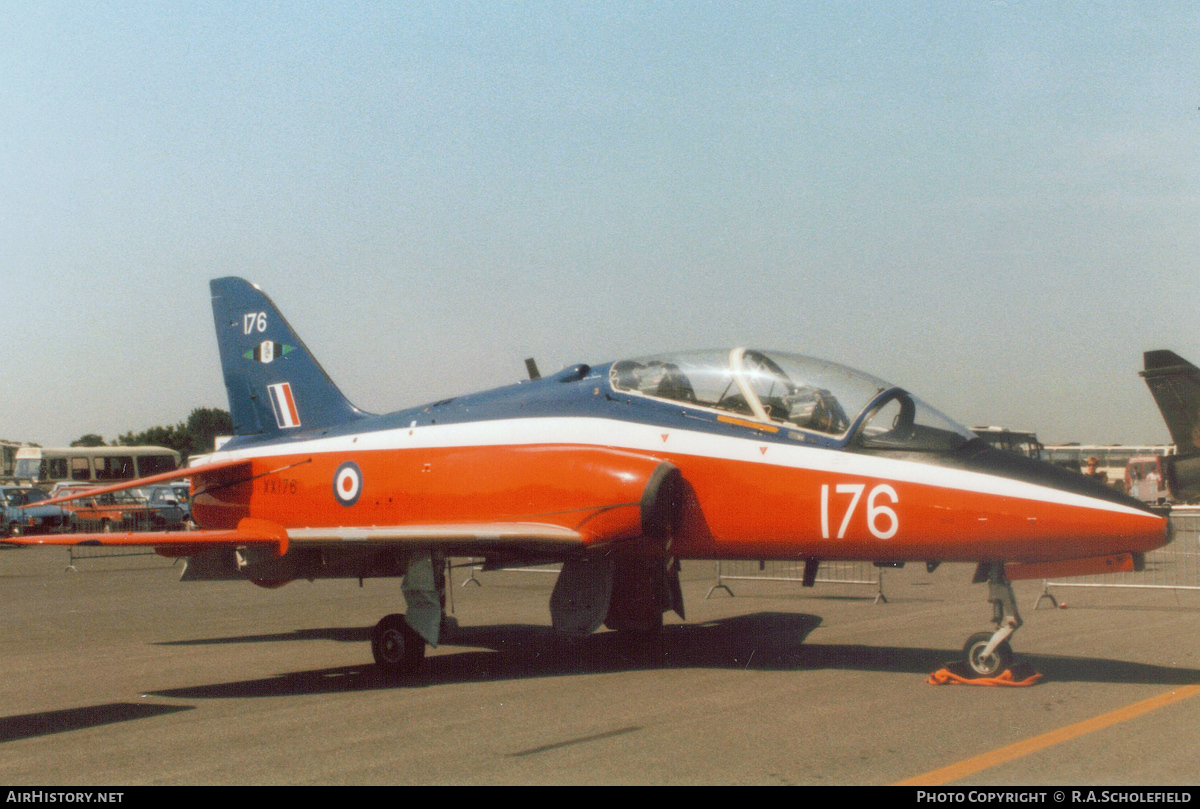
[482, 537]
[197, 473]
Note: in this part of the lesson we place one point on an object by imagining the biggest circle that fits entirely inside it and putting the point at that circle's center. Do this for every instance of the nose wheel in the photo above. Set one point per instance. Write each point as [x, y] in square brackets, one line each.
[981, 662]
[989, 654]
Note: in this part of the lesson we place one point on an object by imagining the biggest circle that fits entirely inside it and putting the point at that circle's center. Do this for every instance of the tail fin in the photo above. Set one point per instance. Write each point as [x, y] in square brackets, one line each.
[275, 385]
[1175, 384]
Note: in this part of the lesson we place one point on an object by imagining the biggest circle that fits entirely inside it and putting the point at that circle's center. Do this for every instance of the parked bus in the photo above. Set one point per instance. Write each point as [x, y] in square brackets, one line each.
[45, 466]
[8, 457]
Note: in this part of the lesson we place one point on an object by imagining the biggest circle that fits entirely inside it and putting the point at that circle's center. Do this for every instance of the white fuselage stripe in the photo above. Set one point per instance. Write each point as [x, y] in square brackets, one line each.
[649, 439]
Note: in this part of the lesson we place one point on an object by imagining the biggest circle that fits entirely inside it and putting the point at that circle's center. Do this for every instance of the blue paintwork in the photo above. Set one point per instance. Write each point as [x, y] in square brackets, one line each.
[246, 319]
[579, 390]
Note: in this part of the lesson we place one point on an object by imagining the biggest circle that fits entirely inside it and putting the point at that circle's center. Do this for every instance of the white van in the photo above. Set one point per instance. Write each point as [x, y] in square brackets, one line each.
[44, 466]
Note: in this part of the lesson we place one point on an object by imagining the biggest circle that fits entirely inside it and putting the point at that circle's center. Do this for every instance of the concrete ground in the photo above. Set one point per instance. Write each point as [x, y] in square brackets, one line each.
[118, 674]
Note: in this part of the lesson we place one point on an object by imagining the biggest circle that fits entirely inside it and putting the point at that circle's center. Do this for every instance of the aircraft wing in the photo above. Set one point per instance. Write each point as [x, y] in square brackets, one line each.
[641, 504]
[472, 537]
[162, 477]
[250, 531]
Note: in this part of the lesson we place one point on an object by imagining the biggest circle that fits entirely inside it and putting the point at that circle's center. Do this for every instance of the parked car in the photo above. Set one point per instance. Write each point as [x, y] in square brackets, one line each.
[21, 514]
[127, 510]
[165, 509]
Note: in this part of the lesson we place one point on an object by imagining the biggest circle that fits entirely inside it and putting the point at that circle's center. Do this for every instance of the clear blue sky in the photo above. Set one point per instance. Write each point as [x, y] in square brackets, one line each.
[995, 205]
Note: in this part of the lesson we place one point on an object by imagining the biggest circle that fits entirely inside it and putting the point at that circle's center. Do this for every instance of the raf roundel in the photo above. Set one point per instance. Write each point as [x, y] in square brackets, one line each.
[347, 483]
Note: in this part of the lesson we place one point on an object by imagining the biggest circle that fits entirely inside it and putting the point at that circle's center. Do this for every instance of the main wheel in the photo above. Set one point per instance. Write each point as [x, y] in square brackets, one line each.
[993, 664]
[397, 647]
[16, 529]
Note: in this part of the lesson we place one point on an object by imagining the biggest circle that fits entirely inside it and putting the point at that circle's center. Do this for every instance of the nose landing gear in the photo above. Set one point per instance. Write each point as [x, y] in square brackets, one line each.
[989, 654]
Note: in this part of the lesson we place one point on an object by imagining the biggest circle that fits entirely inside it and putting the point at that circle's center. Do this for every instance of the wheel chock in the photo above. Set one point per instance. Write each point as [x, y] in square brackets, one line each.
[959, 673]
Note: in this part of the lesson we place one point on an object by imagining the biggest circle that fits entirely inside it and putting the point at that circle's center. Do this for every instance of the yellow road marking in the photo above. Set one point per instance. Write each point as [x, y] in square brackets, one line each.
[969, 766]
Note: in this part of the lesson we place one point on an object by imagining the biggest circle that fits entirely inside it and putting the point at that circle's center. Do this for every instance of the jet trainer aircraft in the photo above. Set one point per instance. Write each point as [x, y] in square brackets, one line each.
[617, 471]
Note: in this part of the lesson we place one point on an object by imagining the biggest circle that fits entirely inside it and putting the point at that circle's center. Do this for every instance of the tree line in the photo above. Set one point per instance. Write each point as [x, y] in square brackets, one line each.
[192, 437]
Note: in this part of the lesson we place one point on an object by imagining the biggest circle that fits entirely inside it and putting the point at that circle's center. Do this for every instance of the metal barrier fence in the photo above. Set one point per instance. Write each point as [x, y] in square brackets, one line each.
[851, 573]
[1174, 567]
[476, 566]
[123, 521]
[130, 515]
[76, 553]
[138, 521]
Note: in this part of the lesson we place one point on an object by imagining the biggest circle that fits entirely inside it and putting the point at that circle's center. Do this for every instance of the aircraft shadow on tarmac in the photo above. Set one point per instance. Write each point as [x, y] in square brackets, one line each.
[28, 726]
[341, 634]
[762, 642]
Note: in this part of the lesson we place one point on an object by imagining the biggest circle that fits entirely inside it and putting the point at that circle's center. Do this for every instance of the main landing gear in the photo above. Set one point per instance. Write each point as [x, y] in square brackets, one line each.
[397, 647]
[989, 653]
[398, 641]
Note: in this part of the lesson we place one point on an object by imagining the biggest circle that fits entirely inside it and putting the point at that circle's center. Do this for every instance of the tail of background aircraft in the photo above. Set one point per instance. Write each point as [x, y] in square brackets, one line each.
[1175, 384]
[275, 385]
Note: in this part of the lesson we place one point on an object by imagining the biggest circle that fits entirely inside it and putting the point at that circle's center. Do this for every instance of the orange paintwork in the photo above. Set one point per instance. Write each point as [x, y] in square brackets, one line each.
[1116, 563]
[592, 490]
[729, 509]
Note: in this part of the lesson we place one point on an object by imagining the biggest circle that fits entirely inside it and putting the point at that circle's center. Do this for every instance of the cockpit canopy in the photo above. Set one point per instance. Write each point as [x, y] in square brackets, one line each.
[793, 391]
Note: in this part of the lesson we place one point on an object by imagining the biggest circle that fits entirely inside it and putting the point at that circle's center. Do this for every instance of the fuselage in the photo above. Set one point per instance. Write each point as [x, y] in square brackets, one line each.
[554, 450]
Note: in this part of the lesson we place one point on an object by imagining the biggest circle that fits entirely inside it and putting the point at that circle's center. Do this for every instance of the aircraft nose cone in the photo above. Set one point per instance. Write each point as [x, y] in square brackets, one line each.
[1081, 514]
[1170, 530]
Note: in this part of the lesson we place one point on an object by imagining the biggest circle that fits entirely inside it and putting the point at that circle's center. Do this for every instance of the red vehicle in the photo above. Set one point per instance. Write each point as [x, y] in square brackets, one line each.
[124, 510]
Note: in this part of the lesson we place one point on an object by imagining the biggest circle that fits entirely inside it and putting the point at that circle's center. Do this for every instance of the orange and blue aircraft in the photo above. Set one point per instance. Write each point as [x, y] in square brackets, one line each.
[618, 471]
